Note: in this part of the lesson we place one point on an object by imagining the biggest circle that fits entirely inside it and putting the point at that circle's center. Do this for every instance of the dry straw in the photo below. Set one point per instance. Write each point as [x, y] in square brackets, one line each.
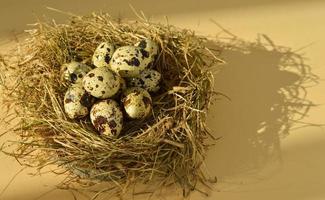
[169, 147]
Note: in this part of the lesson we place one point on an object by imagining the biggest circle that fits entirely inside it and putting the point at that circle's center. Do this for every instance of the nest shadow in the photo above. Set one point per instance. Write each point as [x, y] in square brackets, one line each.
[266, 86]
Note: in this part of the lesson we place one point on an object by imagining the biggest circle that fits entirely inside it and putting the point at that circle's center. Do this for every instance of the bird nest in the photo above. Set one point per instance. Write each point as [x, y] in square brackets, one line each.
[167, 147]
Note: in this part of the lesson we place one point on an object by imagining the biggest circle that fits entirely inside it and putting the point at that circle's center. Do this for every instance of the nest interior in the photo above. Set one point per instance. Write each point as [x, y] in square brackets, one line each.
[170, 146]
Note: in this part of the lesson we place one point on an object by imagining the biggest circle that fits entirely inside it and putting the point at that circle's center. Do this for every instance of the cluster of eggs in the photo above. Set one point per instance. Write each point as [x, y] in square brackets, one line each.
[119, 84]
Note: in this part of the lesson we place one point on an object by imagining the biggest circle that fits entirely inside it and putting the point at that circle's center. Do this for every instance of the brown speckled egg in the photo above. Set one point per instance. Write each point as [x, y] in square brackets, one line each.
[137, 102]
[102, 83]
[107, 117]
[77, 102]
[148, 79]
[127, 61]
[149, 49]
[75, 71]
[103, 54]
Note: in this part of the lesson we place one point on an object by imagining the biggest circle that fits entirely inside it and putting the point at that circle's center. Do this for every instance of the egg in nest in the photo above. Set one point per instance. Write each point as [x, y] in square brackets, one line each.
[103, 54]
[77, 102]
[107, 117]
[148, 79]
[128, 61]
[102, 83]
[149, 50]
[74, 72]
[137, 103]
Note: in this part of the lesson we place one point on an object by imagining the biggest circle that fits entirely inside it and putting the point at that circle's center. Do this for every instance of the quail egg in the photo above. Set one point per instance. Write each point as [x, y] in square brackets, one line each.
[137, 102]
[148, 79]
[149, 49]
[107, 117]
[101, 82]
[103, 54]
[127, 61]
[75, 71]
[77, 102]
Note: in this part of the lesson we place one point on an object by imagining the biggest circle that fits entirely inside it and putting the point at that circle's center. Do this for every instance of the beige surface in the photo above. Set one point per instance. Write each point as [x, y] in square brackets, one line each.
[245, 171]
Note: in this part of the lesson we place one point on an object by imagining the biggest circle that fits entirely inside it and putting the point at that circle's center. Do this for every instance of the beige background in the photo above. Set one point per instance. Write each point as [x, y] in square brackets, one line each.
[245, 171]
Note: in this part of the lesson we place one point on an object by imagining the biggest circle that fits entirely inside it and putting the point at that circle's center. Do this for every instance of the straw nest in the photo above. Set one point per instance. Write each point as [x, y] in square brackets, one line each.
[168, 147]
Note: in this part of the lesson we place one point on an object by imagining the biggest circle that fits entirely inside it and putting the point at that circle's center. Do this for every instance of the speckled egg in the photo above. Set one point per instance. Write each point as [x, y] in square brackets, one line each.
[148, 79]
[77, 102]
[75, 71]
[101, 82]
[137, 102]
[107, 117]
[149, 49]
[103, 54]
[127, 61]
